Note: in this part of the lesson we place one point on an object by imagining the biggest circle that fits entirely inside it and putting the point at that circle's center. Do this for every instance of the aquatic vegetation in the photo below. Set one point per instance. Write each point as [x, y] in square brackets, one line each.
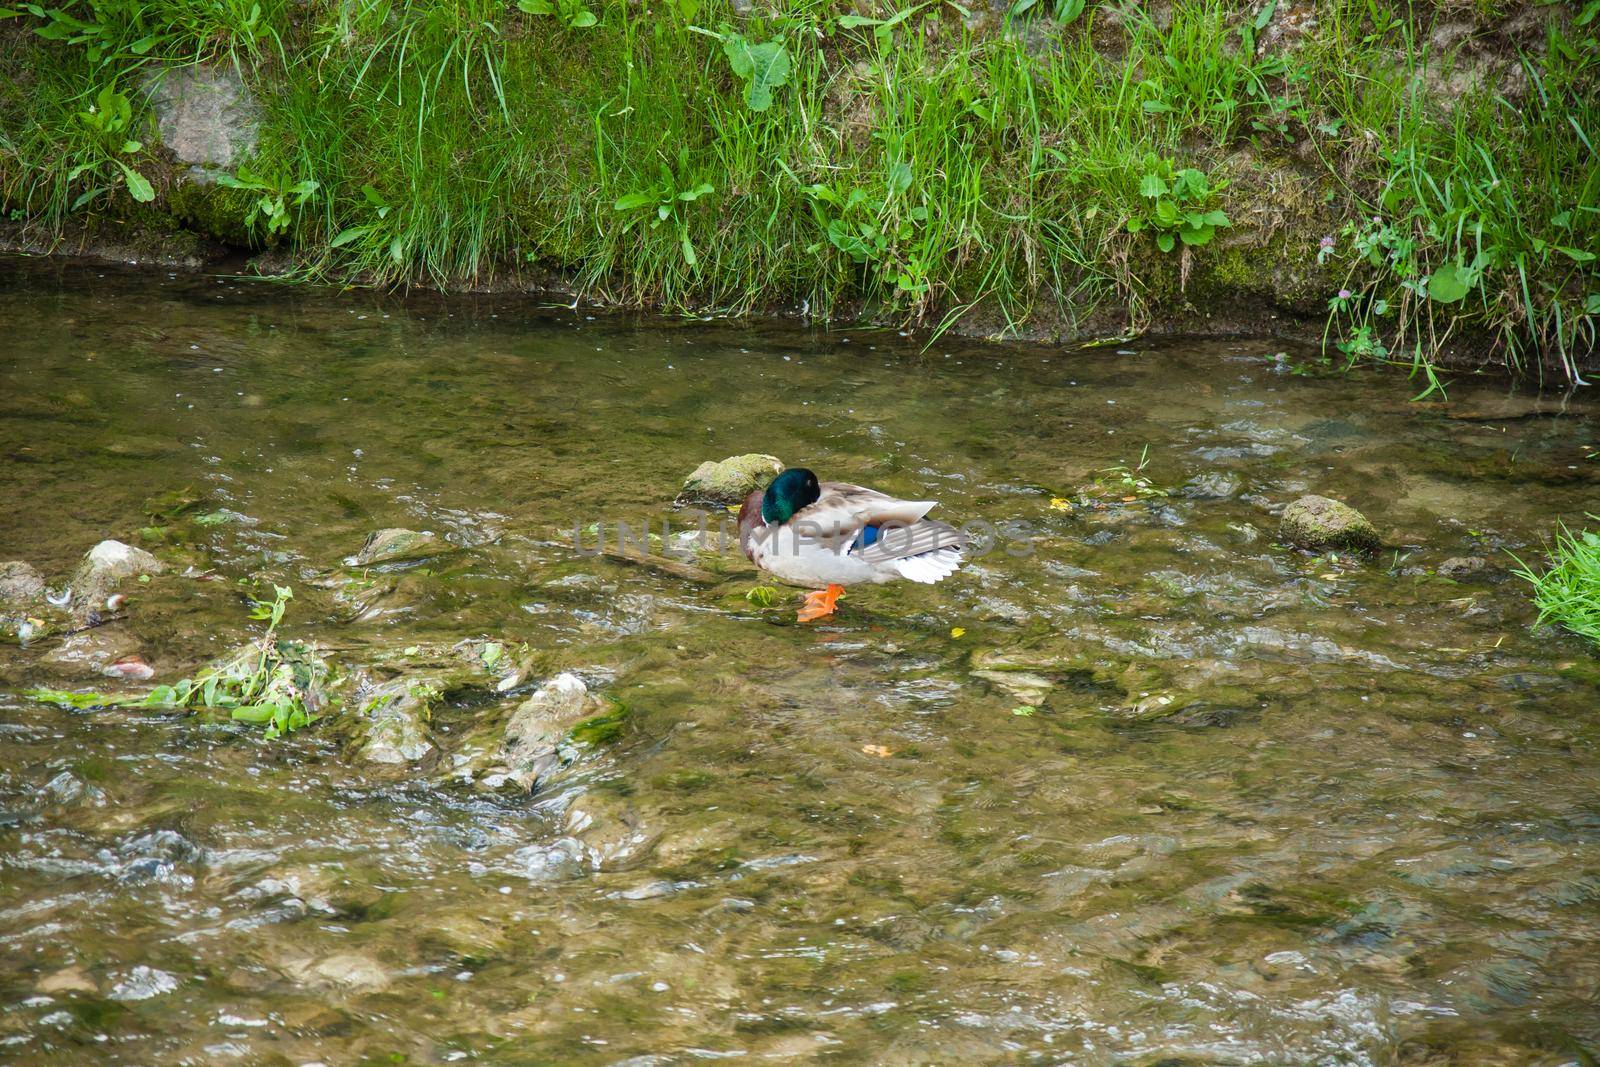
[600, 729]
[1119, 482]
[1568, 591]
[278, 684]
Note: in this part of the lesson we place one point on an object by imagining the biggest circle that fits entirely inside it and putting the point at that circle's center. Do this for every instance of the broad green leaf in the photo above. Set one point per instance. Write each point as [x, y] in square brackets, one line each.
[703, 189]
[536, 7]
[1067, 11]
[764, 67]
[1448, 284]
[1152, 186]
[85, 197]
[688, 251]
[633, 201]
[583, 20]
[346, 235]
[138, 186]
[253, 713]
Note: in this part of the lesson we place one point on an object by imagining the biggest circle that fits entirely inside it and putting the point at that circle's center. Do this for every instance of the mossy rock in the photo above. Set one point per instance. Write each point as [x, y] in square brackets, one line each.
[216, 211]
[1319, 523]
[728, 482]
[396, 545]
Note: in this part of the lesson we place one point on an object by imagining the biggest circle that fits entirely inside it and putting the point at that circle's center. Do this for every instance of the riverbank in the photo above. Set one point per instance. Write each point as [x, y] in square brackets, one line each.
[1421, 186]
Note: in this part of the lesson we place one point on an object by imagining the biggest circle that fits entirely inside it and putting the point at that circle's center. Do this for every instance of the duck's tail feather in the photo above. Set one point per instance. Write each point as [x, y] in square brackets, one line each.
[925, 551]
[929, 567]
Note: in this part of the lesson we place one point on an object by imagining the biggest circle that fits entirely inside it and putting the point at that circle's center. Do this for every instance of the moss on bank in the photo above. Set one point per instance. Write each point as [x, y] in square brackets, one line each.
[930, 165]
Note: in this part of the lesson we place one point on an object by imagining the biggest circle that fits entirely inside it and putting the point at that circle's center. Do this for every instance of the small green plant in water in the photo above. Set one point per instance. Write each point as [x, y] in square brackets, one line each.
[1569, 592]
[1177, 205]
[600, 729]
[762, 596]
[271, 682]
[1122, 482]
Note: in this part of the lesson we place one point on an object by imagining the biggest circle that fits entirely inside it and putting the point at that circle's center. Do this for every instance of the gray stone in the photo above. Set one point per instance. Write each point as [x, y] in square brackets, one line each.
[19, 581]
[1292, 25]
[67, 981]
[396, 715]
[1318, 523]
[394, 545]
[539, 725]
[1213, 485]
[728, 482]
[348, 970]
[104, 566]
[206, 115]
[1459, 567]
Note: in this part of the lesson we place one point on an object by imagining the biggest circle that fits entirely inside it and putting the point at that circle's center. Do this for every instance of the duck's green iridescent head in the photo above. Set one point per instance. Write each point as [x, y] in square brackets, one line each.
[790, 491]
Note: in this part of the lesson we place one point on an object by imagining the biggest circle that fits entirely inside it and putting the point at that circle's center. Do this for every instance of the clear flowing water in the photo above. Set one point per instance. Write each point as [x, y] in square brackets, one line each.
[1148, 788]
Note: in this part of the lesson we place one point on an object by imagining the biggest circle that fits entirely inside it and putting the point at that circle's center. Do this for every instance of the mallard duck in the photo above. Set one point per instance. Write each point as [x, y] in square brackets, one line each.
[831, 535]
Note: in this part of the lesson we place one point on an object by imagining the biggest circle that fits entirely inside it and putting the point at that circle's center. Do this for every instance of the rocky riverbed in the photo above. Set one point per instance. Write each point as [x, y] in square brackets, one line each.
[1146, 780]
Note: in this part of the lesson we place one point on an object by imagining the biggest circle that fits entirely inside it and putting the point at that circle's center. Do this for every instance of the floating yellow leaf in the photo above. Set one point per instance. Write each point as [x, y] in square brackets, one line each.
[881, 751]
[1060, 503]
[957, 631]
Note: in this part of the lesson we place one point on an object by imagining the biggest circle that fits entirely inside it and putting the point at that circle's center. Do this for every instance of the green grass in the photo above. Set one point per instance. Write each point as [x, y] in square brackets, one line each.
[910, 169]
[1568, 592]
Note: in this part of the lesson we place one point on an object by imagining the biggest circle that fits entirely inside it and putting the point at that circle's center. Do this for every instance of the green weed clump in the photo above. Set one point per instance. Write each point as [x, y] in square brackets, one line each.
[900, 162]
[1568, 592]
[275, 683]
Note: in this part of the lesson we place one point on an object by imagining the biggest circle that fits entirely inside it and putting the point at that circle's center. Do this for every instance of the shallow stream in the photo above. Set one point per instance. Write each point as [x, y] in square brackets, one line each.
[1142, 786]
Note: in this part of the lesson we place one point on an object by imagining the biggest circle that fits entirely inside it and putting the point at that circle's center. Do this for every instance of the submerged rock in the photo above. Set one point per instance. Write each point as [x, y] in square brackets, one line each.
[19, 582]
[104, 566]
[728, 482]
[396, 544]
[345, 970]
[1458, 568]
[396, 716]
[66, 981]
[1213, 485]
[1318, 523]
[539, 726]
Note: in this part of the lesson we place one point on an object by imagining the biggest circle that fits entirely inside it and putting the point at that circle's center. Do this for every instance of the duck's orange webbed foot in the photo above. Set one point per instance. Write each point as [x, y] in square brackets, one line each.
[821, 603]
